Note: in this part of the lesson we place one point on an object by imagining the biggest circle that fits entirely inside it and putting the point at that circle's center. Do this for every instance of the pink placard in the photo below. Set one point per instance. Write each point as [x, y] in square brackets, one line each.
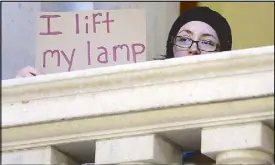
[68, 41]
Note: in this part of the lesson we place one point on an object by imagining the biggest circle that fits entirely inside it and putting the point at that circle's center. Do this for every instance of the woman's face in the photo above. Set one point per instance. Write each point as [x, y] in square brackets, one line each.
[205, 37]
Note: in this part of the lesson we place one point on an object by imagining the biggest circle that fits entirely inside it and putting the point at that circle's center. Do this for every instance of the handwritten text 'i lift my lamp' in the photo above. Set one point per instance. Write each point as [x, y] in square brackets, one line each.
[103, 56]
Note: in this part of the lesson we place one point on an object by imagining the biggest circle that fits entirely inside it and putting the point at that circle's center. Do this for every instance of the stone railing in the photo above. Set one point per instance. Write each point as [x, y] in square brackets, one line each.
[221, 104]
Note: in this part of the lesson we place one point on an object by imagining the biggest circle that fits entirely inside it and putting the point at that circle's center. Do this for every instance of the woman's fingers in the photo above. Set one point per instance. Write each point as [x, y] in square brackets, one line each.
[32, 70]
[27, 72]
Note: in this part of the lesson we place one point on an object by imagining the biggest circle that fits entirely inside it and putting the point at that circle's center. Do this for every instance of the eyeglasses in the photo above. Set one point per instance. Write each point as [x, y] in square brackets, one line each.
[204, 45]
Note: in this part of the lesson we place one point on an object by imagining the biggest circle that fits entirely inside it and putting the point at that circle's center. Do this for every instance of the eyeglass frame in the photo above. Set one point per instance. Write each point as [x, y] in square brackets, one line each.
[193, 41]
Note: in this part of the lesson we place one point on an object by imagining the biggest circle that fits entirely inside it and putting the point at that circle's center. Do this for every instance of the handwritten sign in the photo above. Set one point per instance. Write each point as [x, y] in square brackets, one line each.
[68, 41]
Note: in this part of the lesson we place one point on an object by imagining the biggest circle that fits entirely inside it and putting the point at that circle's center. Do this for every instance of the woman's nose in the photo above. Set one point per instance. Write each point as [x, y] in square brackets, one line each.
[194, 50]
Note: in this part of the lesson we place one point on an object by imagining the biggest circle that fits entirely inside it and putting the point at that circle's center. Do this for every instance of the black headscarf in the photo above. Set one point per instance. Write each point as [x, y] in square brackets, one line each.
[204, 14]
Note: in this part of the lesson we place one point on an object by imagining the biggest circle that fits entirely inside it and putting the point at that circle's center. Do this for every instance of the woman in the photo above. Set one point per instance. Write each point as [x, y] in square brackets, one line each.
[199, 30]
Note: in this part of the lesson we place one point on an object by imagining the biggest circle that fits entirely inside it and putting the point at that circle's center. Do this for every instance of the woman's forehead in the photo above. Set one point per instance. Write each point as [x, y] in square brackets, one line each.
[197, 28]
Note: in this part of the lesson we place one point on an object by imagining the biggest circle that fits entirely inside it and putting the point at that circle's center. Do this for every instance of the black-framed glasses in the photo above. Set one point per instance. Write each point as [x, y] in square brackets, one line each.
[204, 45]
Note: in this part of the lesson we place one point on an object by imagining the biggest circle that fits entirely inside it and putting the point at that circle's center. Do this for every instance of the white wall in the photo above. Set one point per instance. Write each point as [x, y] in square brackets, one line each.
[66, 6]
[18, 27]
[18, 36]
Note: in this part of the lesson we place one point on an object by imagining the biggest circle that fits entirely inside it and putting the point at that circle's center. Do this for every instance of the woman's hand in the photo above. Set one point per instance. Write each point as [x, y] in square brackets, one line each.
[27, 72]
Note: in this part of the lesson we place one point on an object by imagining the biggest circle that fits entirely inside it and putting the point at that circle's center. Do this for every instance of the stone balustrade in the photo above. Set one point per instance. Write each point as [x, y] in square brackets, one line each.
[221, 104]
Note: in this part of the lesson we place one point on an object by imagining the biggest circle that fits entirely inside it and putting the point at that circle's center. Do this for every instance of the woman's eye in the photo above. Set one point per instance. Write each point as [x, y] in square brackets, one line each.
[184, 39]
[208, 42]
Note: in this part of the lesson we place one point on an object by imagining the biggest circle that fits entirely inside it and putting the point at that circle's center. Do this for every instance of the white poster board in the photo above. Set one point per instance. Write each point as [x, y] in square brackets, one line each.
[68, 41]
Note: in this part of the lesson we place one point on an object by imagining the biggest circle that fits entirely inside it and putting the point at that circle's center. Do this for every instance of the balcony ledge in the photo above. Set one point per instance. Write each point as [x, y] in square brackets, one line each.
[165, 97]
[148, 85]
